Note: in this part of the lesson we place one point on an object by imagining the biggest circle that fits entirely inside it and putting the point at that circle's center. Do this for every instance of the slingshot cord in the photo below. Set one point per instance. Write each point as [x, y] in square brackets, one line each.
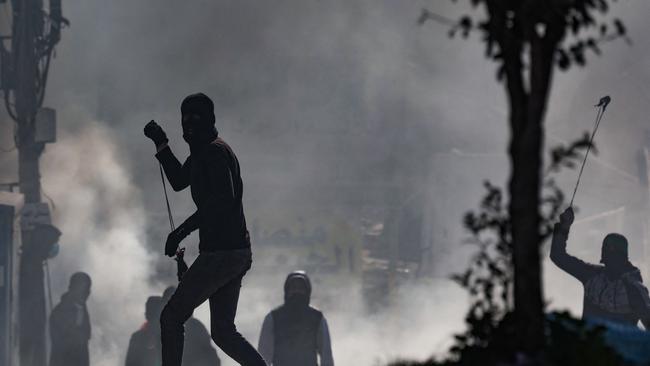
[169, 211]
[599, 117]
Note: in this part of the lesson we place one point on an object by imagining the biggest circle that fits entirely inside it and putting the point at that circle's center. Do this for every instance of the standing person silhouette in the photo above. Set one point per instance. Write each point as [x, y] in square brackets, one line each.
[213, 175]
[144, 345]
[295, 333]
[70, 324]
[613, 290]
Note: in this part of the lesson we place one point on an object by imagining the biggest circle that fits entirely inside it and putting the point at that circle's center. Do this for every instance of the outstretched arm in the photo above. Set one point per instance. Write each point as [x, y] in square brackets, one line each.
[568, 263]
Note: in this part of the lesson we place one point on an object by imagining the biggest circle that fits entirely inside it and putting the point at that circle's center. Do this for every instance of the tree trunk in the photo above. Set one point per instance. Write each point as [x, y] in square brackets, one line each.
[526, 149]
[525, 156]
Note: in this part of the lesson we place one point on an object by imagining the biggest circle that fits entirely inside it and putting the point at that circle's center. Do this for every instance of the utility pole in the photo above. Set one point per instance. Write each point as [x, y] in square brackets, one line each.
[24, 70]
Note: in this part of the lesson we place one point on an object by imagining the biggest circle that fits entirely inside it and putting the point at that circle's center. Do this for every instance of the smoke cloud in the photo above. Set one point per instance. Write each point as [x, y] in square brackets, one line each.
[100, 212]
[342, 108]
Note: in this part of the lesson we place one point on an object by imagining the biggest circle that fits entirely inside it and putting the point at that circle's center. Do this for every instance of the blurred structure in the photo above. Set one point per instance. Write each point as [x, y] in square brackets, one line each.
[10, 204]
[24, 68]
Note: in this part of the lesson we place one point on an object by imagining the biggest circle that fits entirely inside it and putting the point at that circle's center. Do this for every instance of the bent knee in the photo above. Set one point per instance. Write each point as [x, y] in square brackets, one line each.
[223, 333]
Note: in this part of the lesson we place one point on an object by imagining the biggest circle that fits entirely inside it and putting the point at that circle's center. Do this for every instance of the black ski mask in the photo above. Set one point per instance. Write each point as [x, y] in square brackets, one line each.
[198, 119]
[614, 250]
[297, 289]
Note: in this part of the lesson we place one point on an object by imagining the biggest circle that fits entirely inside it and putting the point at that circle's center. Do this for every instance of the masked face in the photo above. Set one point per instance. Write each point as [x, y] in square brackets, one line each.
[80, 292]
[614, 251]
[196, 129]
[297, 293]
[197, 119]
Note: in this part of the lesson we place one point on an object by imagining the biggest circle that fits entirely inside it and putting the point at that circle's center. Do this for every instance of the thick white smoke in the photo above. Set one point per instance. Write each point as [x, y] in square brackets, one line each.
[417, 324]
[102, 219]
[358, 79]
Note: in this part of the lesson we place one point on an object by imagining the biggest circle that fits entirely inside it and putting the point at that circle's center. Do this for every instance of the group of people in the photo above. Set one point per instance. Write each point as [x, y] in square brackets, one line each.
[212, 173]
[144, 345]
[294, 334]
[614, 290]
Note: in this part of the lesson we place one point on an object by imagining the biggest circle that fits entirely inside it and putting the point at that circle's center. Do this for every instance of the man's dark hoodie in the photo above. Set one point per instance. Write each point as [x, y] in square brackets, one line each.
[213, 174]
[295, 334]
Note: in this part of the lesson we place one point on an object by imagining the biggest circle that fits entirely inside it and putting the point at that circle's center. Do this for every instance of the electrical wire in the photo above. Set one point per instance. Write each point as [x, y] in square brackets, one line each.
[49, 199]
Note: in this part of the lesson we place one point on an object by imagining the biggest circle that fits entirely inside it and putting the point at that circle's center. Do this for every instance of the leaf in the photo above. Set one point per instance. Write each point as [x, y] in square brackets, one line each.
[621, 30]
[591, 43]
[563, 60]
[501, 72]
[578, 54]
[466, 23]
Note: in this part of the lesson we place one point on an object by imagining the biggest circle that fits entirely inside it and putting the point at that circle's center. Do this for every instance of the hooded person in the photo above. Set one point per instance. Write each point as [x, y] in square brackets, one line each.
[198, 350]
[613, 290]
[144, 345]
[296, 334]
[212, 172]
[70, 324]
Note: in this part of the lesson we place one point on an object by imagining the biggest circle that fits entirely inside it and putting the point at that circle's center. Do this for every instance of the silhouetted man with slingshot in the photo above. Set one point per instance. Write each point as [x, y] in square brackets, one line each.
[212, 173]
[613, 289]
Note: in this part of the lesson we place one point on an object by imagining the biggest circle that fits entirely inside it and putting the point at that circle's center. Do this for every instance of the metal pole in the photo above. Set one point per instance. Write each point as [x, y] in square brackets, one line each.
[31, 291]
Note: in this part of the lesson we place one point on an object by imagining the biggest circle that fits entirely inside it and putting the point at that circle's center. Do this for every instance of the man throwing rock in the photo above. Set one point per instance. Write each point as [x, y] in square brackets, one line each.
[212, 173]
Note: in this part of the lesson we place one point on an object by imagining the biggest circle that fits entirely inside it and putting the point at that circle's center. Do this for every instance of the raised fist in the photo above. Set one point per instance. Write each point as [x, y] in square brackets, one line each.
[153, 131]
[566, 218]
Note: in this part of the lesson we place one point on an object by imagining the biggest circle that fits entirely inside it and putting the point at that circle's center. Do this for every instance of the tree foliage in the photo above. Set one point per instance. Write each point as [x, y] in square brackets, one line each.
[490, 337]
[575, 28]
[569, 342]
[528, 39]
[489, 277]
